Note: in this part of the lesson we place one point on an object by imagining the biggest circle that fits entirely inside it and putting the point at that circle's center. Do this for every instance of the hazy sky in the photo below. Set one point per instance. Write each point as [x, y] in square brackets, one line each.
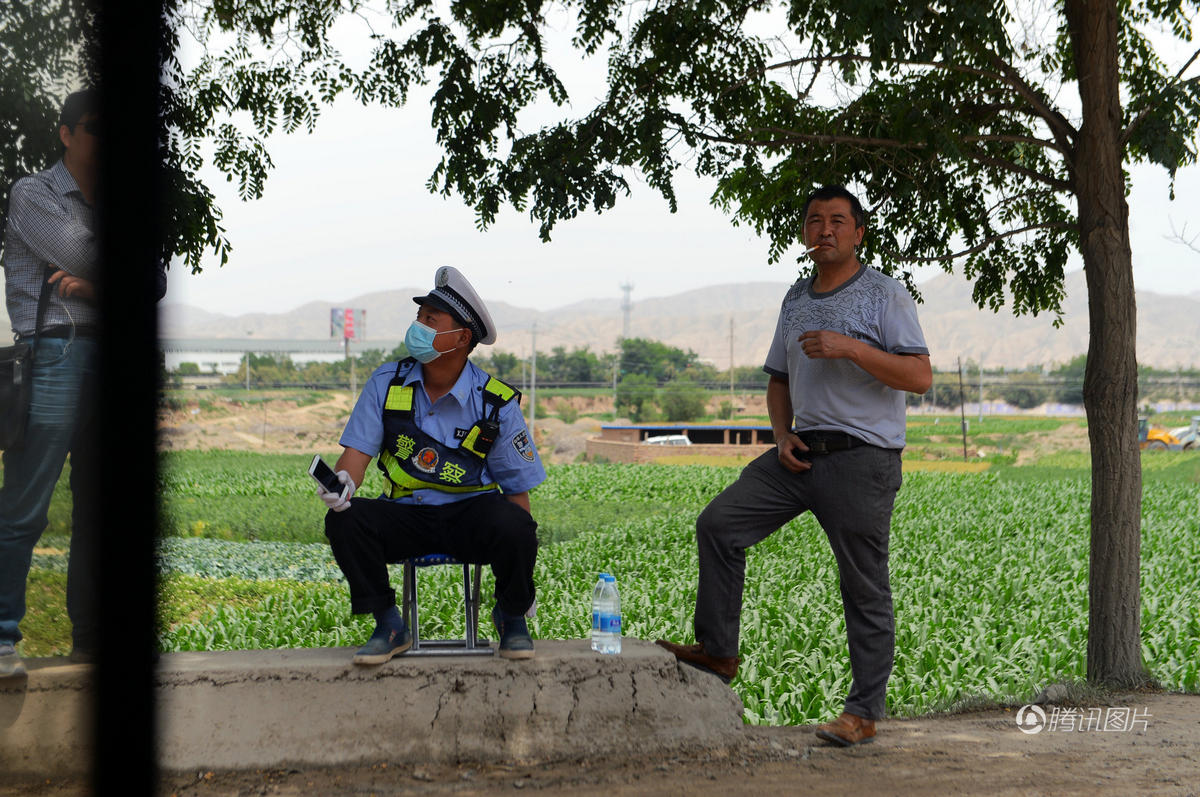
[346, 212]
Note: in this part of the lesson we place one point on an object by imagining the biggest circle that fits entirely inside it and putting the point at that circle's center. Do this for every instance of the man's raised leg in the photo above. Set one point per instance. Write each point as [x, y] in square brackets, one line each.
[764, 497]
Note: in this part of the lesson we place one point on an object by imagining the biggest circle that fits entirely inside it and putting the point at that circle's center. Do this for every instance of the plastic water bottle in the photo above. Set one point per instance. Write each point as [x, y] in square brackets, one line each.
[607, 637]
[596, 612]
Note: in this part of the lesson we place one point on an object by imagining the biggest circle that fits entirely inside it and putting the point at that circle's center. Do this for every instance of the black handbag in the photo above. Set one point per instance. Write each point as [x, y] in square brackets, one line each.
[16, 379]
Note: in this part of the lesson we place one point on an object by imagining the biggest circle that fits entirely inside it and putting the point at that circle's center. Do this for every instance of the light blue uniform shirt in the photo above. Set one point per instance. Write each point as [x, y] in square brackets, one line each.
[513, 462]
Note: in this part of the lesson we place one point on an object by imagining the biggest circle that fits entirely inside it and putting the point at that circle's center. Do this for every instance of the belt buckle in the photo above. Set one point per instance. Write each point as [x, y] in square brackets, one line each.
[818, 447]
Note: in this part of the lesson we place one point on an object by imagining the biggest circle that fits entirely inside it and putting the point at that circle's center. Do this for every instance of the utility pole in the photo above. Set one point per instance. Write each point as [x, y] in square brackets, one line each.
[730, 367]
[533, 383]
[627, 308]
[962, 408]
[616, 367]
[981, 392]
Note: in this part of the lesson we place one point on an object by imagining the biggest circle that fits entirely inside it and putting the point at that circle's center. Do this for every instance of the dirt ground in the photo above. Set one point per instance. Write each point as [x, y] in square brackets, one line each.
[281, 426]
[275, 425]
[982, 753]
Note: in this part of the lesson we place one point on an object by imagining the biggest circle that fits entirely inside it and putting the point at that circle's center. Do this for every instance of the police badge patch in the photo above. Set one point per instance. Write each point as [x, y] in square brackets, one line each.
[523, 445]
[426, 460]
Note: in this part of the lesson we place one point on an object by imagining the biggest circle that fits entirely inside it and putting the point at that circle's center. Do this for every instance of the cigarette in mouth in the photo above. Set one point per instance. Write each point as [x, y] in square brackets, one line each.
[811, 249]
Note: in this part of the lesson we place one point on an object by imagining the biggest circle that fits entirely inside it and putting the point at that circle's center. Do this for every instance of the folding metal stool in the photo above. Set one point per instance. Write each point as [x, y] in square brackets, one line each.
[472, 645]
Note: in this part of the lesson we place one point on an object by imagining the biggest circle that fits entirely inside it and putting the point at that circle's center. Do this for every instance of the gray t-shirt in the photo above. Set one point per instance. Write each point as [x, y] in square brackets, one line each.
[837, 394]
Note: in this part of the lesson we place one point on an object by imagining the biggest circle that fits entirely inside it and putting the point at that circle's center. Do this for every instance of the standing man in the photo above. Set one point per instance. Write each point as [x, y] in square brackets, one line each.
[51, 238]
[458, 462]
[846, 348]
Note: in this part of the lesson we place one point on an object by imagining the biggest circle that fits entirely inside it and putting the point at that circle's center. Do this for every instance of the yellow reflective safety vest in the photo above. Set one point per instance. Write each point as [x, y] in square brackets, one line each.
[413, 460]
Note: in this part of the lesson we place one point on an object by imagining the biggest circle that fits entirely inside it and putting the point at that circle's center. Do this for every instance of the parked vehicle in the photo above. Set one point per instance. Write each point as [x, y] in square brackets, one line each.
[668, 440]
[1156, 438]
[1189, 436]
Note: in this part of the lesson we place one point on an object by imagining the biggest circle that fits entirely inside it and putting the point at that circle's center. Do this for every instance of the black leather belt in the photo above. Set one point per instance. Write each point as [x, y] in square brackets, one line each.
[828, 442]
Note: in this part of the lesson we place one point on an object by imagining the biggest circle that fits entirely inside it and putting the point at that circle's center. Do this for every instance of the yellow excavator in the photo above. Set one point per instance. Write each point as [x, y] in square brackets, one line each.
[1156, 438]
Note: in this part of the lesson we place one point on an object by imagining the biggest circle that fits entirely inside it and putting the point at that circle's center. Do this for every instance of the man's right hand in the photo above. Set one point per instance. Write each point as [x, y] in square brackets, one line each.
[336, 501]
[788, 445]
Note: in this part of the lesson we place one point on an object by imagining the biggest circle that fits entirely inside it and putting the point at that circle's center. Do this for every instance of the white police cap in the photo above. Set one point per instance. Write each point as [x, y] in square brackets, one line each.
[453, 294]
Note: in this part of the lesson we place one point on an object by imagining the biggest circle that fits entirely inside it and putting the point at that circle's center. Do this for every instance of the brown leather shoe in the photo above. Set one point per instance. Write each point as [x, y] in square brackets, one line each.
[723, 668]
[848, 730]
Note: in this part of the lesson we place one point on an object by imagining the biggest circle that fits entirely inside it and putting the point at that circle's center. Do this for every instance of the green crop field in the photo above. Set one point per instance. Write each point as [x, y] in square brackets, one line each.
[989, 575]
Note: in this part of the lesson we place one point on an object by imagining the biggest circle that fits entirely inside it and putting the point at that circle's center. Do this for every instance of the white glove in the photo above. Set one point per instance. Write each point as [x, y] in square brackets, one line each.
[336, 501]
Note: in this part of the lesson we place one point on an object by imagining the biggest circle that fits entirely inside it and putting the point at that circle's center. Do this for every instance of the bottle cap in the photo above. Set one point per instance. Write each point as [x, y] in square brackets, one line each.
[605, 575]
[608, 577]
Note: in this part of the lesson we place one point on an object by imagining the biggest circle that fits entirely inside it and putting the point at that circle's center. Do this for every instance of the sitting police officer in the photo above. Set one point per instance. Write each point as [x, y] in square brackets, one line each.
[458, 463]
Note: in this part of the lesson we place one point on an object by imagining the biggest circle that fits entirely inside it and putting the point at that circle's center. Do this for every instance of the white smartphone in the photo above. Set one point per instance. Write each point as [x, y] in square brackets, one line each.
[326, 477]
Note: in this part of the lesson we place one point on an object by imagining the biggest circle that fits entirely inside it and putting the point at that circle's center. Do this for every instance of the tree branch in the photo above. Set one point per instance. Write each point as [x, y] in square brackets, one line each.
[978, 247]
[1064, 132]
[1017, 140]
[820, 59]
[1005, 200]
[1180, 236]
[1154, 105]
[830, 138]
[1031, 174]
[790, 137]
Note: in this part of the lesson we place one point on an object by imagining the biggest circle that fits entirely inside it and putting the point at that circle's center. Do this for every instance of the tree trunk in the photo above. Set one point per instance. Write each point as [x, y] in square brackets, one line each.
[1110, 380]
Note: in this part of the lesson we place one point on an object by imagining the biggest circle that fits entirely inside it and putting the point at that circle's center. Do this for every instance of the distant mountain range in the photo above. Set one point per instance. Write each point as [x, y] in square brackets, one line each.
[1168, 325]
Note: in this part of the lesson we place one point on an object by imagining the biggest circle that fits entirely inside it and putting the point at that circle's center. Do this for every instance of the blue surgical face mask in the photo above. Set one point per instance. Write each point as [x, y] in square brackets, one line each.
[419, 341]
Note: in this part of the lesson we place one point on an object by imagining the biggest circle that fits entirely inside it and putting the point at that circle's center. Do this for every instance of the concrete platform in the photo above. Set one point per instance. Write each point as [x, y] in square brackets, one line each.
[271, 708]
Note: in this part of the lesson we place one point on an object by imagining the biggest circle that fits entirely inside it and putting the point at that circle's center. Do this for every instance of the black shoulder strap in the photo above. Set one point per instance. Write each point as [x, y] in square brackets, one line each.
[496, 394]
[43, 303]
[404, 366]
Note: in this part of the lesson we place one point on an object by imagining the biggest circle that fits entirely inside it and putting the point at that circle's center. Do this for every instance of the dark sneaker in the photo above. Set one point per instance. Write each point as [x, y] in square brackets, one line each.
[10, 661]
[515, 642]
[695, 655]
[383, 645]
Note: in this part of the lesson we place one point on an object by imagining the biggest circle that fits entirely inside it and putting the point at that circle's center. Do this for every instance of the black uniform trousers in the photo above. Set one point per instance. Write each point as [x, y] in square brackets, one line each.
[484, 529]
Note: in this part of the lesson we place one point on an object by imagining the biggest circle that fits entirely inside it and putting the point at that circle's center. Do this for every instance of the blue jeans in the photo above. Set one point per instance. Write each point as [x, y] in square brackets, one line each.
[60, 422]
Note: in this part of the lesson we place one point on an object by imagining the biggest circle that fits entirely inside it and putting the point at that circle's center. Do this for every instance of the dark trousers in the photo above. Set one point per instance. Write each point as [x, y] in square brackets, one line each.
[851, 494]
[487, 529]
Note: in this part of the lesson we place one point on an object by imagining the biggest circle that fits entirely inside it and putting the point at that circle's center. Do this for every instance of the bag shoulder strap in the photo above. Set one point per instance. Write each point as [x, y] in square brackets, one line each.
[497, 393]
[43, 303]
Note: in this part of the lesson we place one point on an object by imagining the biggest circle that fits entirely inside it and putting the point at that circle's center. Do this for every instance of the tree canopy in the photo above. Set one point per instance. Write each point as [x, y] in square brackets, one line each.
[655, 359]
[46, 51]
[950, 116]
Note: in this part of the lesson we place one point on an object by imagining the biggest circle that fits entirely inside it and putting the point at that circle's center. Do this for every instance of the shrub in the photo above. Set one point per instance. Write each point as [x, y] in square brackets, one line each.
[683, 400]
[635, 395]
